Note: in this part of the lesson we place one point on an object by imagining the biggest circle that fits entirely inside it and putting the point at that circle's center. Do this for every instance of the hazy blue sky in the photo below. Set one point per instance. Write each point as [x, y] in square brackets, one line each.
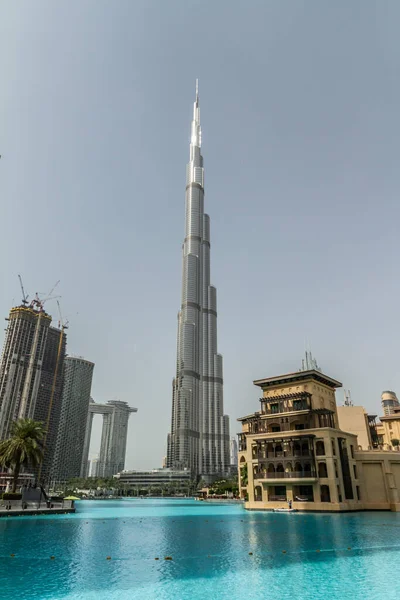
[300, 114]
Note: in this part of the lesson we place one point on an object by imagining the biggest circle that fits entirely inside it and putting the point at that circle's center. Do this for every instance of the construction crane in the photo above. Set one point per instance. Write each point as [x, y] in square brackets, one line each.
[24, 296]
[39, 302]
[61, 323]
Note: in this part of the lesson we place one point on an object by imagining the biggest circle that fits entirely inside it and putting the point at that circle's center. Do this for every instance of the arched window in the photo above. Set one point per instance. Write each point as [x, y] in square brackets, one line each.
[288, 467]
[298, 468]
[279, 468]
[271, 468]
[307, 469]
[322, 470]
[242, 459]
[325, 493]
[320, 448]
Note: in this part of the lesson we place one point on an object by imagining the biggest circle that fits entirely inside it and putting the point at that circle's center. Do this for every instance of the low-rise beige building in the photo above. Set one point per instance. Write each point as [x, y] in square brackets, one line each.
[355, 419]
[293, 449]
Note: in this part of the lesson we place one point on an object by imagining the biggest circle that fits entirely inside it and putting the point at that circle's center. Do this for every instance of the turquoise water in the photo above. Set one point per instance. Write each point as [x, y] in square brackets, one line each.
[294, 556]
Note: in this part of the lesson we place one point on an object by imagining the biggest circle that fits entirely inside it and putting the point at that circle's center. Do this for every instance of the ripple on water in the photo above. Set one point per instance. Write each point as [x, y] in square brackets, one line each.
[108, 550]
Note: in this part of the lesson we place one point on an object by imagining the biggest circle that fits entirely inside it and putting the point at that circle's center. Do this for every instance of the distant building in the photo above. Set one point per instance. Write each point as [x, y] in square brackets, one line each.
[154, 478]
[233, 452]
[164, 462]
[391, 428]
[49, 398]
[21, 364]
[31, 375]
[355, 419]
[23, 479]
[389, 402]
[95, 467]
[113, 437]
[78, 376]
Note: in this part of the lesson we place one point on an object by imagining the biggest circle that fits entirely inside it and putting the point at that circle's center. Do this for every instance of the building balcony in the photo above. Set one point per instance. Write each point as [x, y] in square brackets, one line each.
[259, 425]
[284, 475]
[279, 455]
[283, 409]
[242, 442]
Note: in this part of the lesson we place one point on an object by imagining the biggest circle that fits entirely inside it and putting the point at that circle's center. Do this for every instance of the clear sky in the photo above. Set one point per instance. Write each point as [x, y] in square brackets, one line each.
[300, 116]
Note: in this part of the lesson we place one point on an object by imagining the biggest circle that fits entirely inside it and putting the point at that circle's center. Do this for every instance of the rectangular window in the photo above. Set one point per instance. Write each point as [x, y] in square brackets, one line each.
[355, 471]
[299, 426]
[352, 451]
[274, 408]
[298, 405]
[358, 492]
[275, 428]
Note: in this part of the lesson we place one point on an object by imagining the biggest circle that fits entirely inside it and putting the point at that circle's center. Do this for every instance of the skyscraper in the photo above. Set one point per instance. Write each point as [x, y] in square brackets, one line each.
[233, 453]
[48, 403]
[31, 375]
[199, 437]
[78, 374]
[114, 436]
[21, 364]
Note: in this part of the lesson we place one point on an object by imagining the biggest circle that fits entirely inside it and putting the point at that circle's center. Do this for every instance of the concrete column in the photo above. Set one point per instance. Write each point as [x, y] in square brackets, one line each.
[104, 446]
[317, 492]
[250, 478]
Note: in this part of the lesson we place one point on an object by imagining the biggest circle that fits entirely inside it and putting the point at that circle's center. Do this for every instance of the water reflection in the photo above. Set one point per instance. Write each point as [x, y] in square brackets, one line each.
[217, 551]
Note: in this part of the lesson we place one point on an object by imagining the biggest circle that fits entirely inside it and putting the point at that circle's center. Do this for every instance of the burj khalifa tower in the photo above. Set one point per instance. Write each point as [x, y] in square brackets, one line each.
[199, 437]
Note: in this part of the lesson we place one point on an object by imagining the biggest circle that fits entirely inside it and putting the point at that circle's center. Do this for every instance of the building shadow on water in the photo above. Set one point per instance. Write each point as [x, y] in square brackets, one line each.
[202, 545]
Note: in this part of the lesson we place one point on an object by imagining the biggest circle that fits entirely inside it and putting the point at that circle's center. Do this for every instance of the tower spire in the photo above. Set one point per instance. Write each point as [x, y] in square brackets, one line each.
[195, 139]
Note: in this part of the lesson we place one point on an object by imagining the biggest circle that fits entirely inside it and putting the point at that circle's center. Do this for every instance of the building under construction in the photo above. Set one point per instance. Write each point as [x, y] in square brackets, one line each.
[31, 373]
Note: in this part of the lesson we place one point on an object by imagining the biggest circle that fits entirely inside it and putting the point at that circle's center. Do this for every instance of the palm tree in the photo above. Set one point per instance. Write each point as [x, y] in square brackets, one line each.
[23, 447]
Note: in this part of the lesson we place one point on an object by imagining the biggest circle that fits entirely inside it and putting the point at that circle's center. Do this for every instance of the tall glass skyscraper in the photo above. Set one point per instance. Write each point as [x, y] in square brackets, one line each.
[199, 437]
[78, 374]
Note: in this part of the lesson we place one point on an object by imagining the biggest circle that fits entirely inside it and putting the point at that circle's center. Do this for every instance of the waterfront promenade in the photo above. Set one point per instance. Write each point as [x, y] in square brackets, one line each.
[17, 511]
[179, 549]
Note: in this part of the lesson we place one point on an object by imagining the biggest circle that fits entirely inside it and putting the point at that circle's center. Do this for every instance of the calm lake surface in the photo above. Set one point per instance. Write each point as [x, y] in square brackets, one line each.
[294, 556]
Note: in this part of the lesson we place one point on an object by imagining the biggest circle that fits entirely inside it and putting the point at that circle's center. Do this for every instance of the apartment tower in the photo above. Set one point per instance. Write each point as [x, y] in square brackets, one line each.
[31, 375]
[114, 436]
[78, 374]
